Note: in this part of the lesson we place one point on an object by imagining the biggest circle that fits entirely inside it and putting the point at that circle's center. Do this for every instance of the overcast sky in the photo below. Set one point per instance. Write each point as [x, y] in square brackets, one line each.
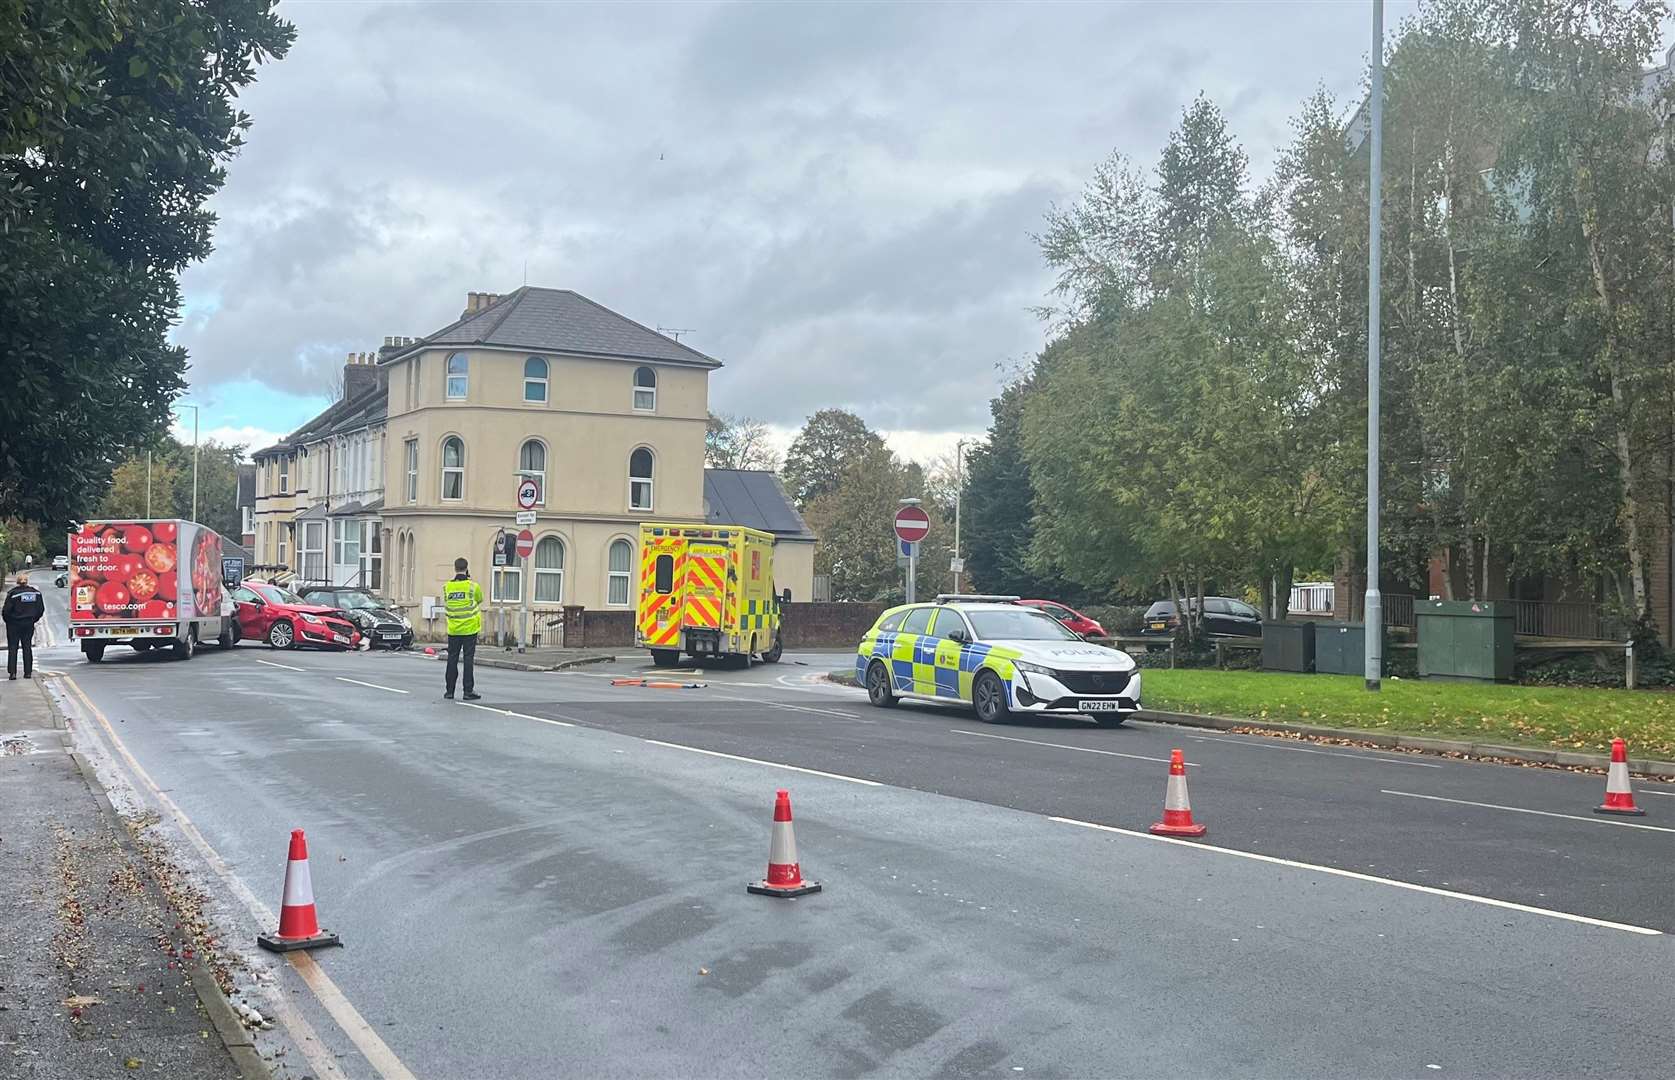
[836, 201]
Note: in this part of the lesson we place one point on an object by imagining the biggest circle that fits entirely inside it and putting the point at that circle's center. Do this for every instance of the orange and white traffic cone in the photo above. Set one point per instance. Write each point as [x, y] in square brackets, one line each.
[785, 875]
[1177, 808]
[1619, 796]
[299, 928]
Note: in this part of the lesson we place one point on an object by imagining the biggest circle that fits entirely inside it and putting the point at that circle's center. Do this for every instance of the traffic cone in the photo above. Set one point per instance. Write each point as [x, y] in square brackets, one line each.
[1619, 796]
[785, 876]
[298, 926]
[1177, 808]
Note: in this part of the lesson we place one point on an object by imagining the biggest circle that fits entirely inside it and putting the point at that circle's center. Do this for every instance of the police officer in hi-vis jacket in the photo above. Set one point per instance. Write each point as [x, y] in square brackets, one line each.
[462, 599]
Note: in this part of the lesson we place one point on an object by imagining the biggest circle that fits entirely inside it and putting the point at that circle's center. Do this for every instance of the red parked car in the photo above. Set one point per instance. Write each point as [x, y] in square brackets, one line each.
[285, 620]
[1073, 620]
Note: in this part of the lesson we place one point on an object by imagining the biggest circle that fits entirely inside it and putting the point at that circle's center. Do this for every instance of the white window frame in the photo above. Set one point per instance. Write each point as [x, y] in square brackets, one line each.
[612, 576]
[372, 555]
[544, 380]
[463, 375]
[538, 475]
[442, 492]
[499, 576]
[649, 391]
[548, 572]
[648, 481]
[412, 459]
[306, 549]
[284, 475]
[284, 547]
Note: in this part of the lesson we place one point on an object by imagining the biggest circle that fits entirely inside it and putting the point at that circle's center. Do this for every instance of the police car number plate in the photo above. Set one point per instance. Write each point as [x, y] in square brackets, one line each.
[1098, 706]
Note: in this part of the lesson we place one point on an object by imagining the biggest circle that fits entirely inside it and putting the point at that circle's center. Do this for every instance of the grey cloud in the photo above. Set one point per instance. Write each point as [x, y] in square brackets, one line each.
[836, 199]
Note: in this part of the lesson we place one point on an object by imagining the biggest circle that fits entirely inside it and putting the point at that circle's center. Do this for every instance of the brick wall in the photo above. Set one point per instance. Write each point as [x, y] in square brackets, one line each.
[827, 625]
[603, 630]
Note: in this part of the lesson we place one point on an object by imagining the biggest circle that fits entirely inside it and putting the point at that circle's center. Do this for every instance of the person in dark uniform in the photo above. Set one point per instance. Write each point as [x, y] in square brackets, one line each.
[22, 610]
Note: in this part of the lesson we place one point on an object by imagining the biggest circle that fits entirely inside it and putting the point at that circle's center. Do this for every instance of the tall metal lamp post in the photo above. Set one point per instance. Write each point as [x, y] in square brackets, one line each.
[1374, 615]
[194, 408]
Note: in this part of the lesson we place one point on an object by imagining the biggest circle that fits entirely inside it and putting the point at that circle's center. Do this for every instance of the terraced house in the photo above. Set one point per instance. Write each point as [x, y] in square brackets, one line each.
[607, 415]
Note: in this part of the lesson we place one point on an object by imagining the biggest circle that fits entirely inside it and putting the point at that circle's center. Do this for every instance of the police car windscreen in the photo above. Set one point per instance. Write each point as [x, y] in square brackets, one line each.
[1017, 625]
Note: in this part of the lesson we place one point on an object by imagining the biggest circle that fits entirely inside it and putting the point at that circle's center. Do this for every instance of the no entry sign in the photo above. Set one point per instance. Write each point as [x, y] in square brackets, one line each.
[526, 544]
[912, 524]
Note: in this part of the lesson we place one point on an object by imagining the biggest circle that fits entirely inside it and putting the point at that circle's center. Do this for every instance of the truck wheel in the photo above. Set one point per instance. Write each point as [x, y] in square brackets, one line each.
[229, 633]
[665, 657]
[93, 650]
[879, 691]
[282, 635]
[143, 646]
[183, 649]
[772, 655]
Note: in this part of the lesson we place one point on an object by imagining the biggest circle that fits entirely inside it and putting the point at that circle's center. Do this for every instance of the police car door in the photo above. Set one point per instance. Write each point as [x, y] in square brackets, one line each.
[946, 659]
[917, 648]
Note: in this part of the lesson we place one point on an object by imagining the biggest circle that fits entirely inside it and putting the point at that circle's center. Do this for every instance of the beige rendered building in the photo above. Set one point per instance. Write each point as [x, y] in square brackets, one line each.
[605, 414]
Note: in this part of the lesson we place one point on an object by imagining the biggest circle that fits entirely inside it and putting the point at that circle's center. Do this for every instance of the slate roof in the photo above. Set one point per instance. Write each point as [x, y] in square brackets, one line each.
[754, 499]
[559, 321]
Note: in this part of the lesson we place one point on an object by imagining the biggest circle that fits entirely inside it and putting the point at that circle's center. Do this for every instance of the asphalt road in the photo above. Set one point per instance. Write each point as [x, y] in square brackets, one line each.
[536, 888]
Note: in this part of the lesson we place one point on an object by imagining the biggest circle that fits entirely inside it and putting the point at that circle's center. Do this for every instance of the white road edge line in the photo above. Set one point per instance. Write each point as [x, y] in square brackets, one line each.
[287, 667]
[769, 764]
[1369, 878]
[1665, 794]
[793, 708]
[1525, 810]
[1257, 742]
[519, 715]
[348, 1019]
[1066, 746]
[373, 685]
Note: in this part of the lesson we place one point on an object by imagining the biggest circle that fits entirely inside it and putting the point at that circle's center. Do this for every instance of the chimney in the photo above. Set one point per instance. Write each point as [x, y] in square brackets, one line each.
[477, 301]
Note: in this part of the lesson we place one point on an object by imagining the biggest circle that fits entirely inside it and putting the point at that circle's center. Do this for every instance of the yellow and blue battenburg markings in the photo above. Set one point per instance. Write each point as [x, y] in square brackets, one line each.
[923, 664]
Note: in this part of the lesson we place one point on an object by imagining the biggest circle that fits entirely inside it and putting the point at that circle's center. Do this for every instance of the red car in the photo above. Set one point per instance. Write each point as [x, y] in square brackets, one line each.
[285, 620]
[1073, 620]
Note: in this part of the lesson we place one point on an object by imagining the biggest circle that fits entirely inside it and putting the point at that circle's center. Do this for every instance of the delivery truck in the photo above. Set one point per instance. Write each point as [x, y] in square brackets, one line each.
[150, 584]
[707, 591]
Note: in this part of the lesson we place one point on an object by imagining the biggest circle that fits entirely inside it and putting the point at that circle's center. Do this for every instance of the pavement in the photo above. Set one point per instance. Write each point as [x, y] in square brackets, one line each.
[550, 882]
[93, 980]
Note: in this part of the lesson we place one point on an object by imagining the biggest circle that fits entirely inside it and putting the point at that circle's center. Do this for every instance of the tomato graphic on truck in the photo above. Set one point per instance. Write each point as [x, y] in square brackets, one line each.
[126, 586]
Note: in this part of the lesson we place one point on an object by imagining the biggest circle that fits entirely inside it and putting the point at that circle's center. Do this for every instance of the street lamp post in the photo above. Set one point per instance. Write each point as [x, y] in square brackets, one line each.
[194, 408]
[959, 495]
[1374, 604]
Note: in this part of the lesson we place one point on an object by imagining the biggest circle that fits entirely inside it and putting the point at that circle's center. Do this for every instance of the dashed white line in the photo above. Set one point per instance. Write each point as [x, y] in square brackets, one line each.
[1066, 746]
[1369, 878]
[769, 764]
[373, 685]
[287, 667]
[1526, 810]
[519, 715]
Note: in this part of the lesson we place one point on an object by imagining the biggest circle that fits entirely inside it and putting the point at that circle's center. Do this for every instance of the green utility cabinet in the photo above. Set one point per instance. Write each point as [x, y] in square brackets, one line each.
[1288, 646]
[1340, 648]
[1465, 639]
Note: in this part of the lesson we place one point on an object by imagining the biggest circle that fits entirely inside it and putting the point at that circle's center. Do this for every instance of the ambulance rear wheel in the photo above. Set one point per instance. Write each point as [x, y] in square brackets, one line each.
[665, 657]
[988, 696]
[772, 655]
[879, 691]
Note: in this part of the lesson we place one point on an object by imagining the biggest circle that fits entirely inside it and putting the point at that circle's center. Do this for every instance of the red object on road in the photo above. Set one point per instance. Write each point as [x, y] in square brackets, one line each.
[526, 544]
[1619, 795]
[1177, 808]
[912, 524]
[785, 874]
[299, 927]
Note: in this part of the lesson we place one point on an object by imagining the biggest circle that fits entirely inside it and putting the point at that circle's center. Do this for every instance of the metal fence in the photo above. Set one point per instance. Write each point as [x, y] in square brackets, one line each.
[1398, 609]
[822, 588]
[1591, 622]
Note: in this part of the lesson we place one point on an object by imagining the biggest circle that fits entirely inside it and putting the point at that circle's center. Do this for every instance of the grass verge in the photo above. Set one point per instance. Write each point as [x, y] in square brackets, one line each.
[1565, 718]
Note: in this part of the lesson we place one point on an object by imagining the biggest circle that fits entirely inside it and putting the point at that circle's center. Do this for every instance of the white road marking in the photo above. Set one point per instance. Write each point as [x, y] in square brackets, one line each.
[769, 764]
[519, 715]
[354, 1025]
[1263, 742]
[373, 685]
[287, 667]
[794, 708]
[320, 1057]
[1066, 746]
[1525, 810]
[1665, 794]
[1369, 878]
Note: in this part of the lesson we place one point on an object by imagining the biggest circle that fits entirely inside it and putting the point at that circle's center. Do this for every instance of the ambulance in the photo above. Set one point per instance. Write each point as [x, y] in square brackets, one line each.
[707, 591]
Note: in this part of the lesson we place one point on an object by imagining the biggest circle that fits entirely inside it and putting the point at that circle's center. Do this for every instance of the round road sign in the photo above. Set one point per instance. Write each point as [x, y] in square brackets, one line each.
[912, 524]
[526, 544]
[529, 493]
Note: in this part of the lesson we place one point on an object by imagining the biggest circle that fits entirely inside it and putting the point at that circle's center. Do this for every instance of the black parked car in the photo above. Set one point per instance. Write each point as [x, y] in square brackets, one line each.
[378, 624]
[1223, 615]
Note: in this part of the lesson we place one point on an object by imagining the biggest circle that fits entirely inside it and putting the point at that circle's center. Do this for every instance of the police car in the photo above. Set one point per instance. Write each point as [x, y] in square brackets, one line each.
[997, 656]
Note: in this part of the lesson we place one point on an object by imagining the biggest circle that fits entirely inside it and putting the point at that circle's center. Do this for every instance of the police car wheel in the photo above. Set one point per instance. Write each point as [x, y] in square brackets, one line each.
[988, 696]
[878, 686]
